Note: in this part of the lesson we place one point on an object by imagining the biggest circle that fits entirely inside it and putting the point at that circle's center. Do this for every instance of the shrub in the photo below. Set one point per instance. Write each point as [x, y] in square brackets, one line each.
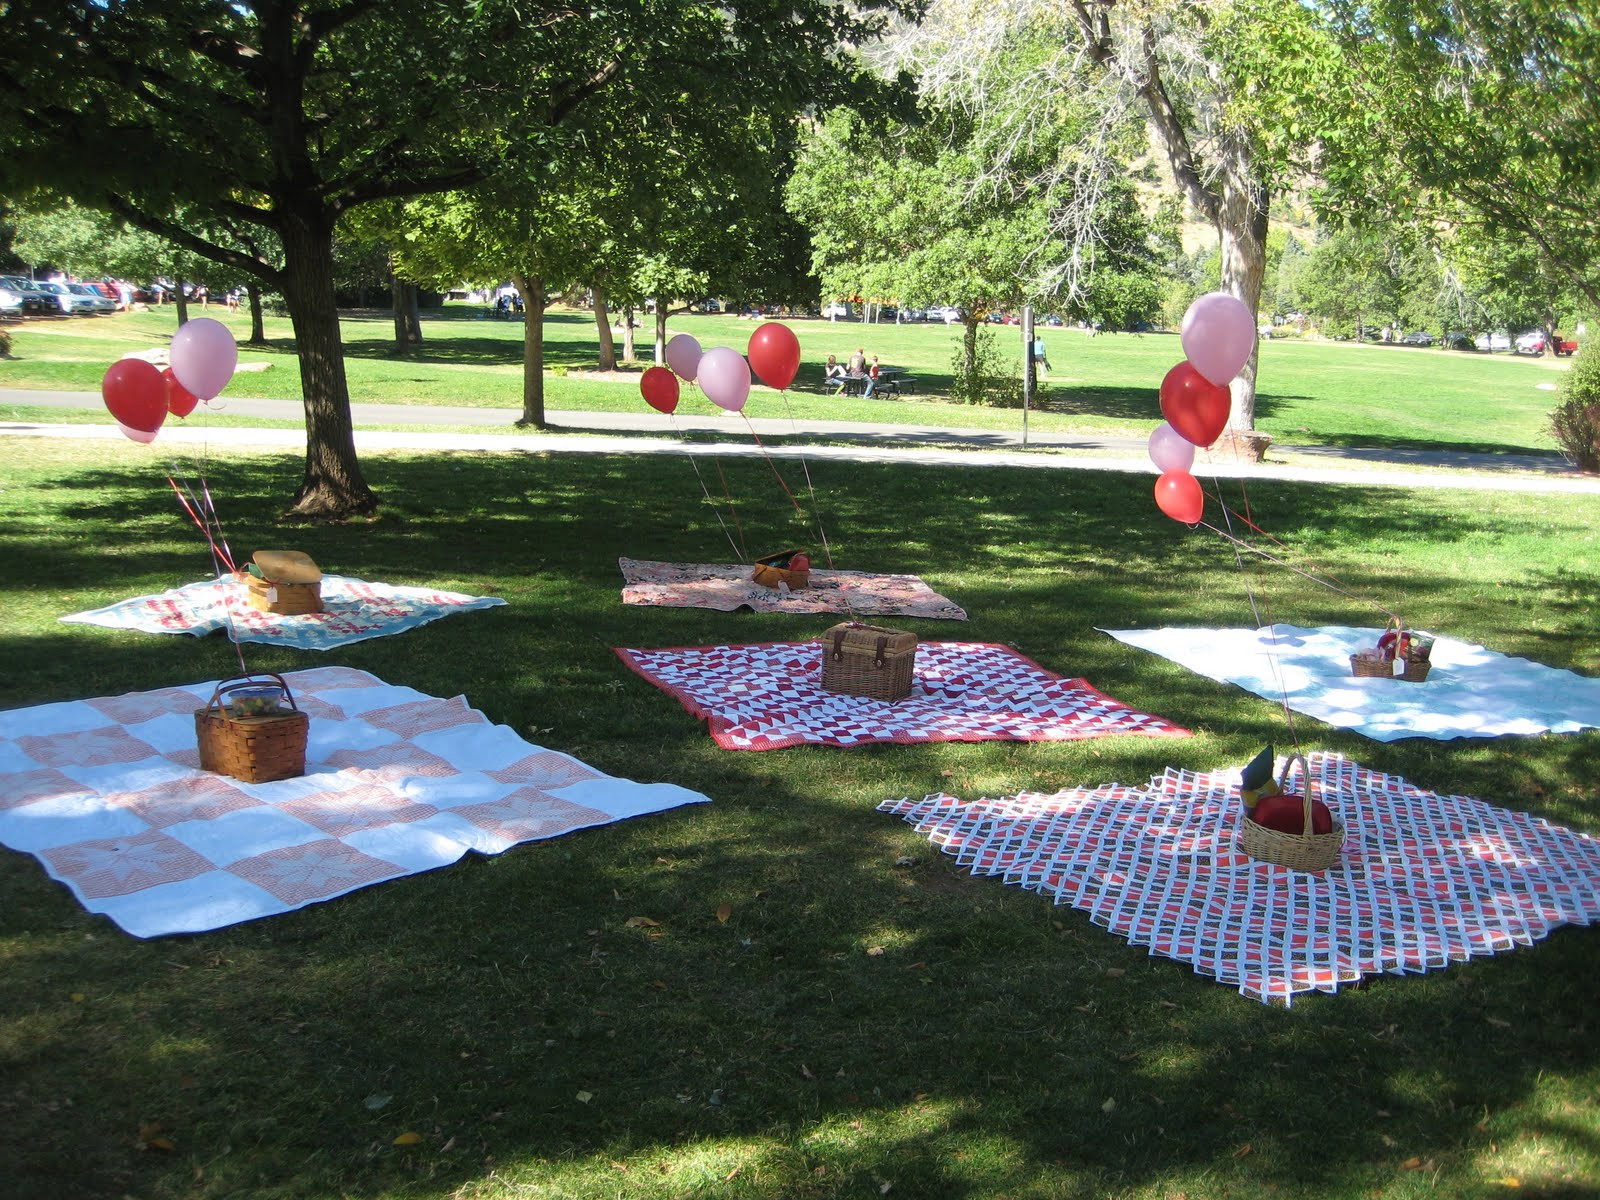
[5, 343]
[1575, 423]
[990, 378]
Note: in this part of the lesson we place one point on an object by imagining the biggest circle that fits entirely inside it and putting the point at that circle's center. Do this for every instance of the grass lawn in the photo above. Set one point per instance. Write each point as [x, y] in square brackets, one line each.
[868, 1020]
[1337, 394]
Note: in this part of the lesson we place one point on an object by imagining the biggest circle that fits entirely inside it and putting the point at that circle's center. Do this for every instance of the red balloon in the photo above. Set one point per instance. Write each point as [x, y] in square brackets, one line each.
[135, 394]
[1287, 814]
[180, 400]
[659, 387]
[1193, 405]
[774, 355]
[1180, 497]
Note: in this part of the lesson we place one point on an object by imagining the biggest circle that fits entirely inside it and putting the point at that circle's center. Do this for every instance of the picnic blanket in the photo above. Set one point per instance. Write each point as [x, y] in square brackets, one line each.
[1423, 880]
[768, 696]
[353, 611]
[728, 586]
[1470, 692]
[108, 794]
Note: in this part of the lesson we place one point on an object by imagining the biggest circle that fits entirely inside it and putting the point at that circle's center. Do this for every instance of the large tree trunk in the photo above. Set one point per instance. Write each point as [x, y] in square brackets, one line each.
[627, 333]
[661, 330]
[532, 289]
[333, 485]
[258, 326]
[183, 303]
[1242, 227]
[407, 318]
[602, 322]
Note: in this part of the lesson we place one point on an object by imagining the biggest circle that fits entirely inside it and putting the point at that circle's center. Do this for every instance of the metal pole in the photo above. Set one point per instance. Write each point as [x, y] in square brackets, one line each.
[1027, 367]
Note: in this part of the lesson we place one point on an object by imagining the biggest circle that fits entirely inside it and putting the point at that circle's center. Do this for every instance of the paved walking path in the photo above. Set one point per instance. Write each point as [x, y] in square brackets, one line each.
[617, 433]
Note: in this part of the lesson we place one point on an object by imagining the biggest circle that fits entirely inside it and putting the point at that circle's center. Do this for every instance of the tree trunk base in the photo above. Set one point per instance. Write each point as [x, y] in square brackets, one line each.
[1245, 443]
[332, 504]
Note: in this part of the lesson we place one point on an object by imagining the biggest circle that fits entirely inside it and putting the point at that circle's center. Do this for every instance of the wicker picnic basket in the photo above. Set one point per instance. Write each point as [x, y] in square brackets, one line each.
[868, 660]
[257, 748]
[1371, 664]
[774, 569]
[288, 583]
[1298, 851]
[1415, 670]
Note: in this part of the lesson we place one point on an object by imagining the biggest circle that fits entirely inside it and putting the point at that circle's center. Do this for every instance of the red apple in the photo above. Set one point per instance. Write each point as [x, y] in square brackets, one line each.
[1286, 814]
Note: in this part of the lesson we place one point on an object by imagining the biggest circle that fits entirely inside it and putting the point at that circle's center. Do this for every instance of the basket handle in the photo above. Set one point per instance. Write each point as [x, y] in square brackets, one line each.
[237, 682]
[879, 655]
[1305, 774]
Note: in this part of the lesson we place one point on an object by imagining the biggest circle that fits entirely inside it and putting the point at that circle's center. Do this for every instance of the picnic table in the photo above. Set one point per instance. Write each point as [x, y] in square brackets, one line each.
[892, 381]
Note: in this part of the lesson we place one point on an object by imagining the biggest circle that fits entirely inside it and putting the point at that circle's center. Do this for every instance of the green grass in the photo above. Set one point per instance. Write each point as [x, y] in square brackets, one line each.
[996, 1047]
[1336, 394]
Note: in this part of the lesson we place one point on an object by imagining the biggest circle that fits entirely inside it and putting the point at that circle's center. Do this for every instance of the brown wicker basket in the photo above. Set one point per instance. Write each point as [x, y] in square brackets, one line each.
[1298, 851]
[1371, 668]
[868, 660]
[256, 749]
[285, 599]
[774, 569]
[1415, 670]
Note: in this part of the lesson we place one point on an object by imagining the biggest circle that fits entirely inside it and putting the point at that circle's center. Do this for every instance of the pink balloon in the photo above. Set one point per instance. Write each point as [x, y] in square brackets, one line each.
[1219, 335]
[204, 356]
[683, 356]
[725, 378]
[138, 435]
[1170, 450]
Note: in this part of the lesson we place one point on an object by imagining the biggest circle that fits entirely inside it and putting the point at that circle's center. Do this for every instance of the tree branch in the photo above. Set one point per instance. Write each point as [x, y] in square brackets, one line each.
[140, 218]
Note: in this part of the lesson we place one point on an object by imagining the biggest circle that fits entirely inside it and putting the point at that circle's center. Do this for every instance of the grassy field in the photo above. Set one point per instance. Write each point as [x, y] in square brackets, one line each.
[1313, 393]
[868, 1020]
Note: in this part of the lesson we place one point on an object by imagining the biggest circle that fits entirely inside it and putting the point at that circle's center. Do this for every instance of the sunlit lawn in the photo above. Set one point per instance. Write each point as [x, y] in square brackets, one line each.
[868, 1020]
[1312, 393]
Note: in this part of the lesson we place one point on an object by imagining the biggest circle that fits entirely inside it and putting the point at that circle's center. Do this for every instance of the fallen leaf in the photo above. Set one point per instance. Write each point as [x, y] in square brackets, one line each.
[641, 923]
[1410, 1164]
[805, 1071]
[1495, 1021]
[877, 951]
[78, 997]
[731, 1174]
[1110, 1103]
[1505, 1180]
[409, 1138]
[585, 1097]
[1119, 972]
[375, 1101]
[1247, 1149]
[724, 911]
[451, 1144]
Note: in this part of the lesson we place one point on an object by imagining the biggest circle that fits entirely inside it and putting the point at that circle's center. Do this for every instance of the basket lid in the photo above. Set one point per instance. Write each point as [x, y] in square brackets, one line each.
[287, 566]
[854, 635]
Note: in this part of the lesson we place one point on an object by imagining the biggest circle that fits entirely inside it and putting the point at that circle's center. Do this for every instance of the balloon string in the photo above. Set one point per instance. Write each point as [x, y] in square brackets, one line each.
[706, 492]
[811, 491]
[210, 525]
[742, 549]
[776, 473]
[1273, 558]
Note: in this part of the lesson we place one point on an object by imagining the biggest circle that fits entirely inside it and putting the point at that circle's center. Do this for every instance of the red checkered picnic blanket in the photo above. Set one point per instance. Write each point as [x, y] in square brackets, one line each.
[768, 696]
[1423, 880]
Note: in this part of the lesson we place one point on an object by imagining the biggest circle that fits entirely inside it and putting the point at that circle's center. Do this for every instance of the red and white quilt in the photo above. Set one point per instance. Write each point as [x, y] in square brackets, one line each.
[108, 794]
[1423, 880]
[770, 695]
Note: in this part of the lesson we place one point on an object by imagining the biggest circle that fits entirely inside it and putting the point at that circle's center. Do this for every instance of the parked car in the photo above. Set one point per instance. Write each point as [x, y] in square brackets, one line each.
[949, 314]
[837, 311]
[1418, 337]
[34, 298]
[98, 303]
[10, 303]
[67, 300]
[1456, 340]
[1492, 341]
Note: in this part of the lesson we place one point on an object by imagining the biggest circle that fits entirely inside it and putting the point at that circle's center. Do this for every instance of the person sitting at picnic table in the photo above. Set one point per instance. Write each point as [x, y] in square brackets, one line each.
[858, 364]
[872, 379]
[833, 374]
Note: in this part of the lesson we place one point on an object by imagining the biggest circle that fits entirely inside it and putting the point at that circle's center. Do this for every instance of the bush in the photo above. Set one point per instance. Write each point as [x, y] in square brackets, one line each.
[990, 378]
[1575, 423]
[5, 343]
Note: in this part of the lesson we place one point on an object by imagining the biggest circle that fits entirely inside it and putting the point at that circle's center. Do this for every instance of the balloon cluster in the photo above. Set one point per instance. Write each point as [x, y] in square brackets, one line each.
[1218, 337]
[140, 396]
[723, 374]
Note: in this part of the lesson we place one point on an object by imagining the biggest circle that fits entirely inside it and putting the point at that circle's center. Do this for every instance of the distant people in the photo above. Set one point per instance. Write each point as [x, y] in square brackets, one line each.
[1040, 358]
[858, 363]
[872, 379]
[233, 299]
[833, 374]
[125, 296]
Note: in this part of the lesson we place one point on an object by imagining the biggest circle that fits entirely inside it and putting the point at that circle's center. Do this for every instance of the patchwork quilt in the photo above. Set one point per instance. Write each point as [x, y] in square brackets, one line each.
[109, 796]
[728, 586]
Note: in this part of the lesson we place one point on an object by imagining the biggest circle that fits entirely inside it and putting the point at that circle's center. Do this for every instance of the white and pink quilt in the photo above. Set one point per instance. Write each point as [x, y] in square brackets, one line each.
[109, 796]
[353, 611]
[768, 696]
[1423, 880]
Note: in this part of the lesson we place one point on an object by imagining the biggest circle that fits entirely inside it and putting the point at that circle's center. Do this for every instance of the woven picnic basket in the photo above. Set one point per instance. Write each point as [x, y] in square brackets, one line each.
[1415, 670]
[1298, 851]
[1376, 668]
[289, 583]
[868, 660]
[255, 749]
[774, 569]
